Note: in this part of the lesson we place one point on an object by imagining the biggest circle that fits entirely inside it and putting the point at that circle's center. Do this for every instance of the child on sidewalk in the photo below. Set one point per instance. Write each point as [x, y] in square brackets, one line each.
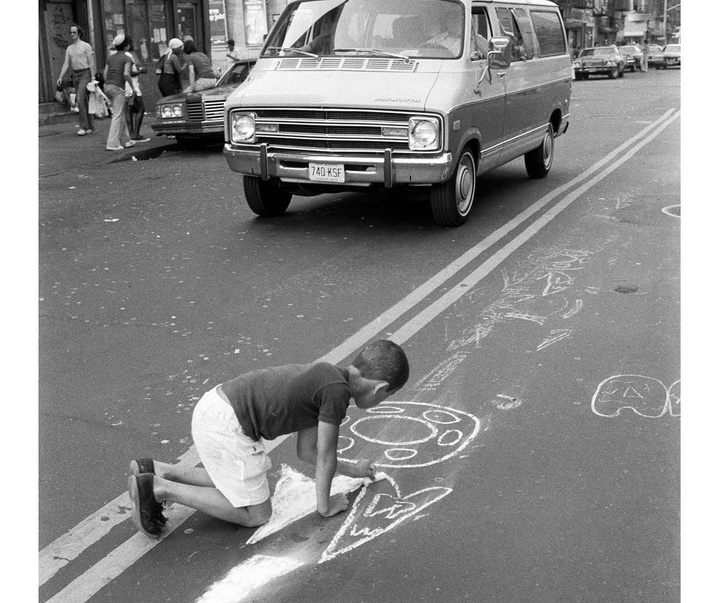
[229, 421]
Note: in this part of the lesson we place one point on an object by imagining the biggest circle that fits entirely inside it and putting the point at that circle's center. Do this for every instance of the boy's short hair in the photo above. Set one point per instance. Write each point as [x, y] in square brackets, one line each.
[385, 361]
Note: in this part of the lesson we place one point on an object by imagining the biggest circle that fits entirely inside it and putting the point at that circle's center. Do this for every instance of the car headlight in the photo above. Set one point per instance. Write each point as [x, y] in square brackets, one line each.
[170, 111]
[576, 64]
[424, 133]
[242, 127]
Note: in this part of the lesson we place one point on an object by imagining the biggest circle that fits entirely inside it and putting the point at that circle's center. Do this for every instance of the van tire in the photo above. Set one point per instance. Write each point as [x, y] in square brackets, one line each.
[264, 198]
[539, 161]
[452, 201]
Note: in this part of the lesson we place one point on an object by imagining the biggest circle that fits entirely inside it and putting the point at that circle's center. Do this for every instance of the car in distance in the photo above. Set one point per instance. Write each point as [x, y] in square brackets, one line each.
[199, 116]
[670, 57]
[633, 57]
[600, 60]
[655, 55]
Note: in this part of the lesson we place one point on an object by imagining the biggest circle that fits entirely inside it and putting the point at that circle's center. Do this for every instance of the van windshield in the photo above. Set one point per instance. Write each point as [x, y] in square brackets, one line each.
[395, 28]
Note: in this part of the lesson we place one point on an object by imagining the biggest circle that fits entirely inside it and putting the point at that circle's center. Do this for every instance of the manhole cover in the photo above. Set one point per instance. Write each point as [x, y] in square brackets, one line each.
[672, 210]
[627, 289]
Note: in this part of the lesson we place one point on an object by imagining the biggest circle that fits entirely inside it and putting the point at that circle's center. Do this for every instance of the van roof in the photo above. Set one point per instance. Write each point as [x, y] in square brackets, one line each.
[525, 2]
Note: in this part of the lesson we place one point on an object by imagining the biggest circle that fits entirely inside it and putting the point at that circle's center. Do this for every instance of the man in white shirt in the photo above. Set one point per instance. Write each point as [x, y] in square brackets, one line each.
[79, 57]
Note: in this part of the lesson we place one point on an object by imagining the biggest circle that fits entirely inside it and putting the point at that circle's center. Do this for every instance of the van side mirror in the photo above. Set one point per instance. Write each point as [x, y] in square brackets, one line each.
[498, 56]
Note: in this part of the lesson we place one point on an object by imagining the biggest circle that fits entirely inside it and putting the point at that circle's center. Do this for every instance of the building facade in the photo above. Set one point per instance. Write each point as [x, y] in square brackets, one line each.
[601, 22]
[151, 24]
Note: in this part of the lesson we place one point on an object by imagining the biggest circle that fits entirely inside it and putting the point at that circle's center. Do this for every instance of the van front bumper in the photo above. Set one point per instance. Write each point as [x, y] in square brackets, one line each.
[360, 170]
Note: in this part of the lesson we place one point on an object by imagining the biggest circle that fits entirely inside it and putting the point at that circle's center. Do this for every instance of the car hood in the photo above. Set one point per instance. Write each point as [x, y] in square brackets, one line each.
[217, 93]
[336, 88]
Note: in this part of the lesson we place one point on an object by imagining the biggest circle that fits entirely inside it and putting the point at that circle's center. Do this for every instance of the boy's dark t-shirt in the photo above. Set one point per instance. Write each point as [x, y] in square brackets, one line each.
[280, 400]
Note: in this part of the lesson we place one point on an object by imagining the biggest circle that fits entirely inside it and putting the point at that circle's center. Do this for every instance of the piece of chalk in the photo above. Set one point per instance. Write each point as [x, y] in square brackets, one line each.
[379, 476]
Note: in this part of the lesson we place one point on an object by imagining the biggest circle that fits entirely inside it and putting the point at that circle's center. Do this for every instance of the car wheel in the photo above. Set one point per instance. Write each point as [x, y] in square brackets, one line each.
[621, 73]
[452, 201]
[613, 75]
[264, 198]
[539, 161]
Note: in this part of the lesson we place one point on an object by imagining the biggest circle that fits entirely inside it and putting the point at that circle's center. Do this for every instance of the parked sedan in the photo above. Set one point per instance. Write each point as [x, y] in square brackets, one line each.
[197, 116]
[633, 57]
[670, 57]
[655, 56]
[600, 60]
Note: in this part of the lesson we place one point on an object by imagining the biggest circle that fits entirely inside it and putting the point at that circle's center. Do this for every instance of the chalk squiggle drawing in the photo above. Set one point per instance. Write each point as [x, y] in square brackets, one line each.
[410, 434]
[642, 395]
[374, 515]
[540, 291]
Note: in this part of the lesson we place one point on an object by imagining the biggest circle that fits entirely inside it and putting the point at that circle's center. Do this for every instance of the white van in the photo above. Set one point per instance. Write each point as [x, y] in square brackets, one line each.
[395, 93]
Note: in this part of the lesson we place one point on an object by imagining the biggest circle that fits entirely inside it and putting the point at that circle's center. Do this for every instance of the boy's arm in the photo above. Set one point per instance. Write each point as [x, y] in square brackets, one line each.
[325, 466]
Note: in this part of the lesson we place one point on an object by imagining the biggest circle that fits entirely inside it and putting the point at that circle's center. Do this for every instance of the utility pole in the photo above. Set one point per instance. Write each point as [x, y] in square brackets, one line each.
[665, 23]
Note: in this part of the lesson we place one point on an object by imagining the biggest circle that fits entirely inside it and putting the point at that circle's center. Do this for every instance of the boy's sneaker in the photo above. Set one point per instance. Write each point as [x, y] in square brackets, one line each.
[140, 139]
[138, 467]
[143, 504]
[81, 132]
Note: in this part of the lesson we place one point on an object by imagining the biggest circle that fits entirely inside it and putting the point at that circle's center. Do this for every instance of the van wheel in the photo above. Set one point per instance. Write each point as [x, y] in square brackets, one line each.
[451, 201]
[264, 198]
[539, 161]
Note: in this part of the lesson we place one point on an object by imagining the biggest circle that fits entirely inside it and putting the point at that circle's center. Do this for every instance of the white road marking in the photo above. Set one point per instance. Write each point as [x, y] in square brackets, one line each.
[248, 576]
[92, 528]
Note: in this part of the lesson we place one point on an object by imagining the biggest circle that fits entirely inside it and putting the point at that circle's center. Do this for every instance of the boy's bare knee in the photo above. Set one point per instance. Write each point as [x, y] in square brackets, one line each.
[259, 514]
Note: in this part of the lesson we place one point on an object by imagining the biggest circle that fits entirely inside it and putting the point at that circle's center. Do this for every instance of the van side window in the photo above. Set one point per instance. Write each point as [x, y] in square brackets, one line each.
[481, 30]
[523, 23]
[549, 32]
[510, 28]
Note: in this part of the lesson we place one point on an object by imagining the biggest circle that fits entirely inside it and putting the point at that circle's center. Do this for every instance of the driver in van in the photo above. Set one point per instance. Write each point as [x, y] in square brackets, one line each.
[451, 36]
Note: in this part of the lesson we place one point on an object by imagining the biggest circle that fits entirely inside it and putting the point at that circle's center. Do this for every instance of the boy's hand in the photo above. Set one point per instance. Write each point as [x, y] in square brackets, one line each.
[337, 504]
[364, 468]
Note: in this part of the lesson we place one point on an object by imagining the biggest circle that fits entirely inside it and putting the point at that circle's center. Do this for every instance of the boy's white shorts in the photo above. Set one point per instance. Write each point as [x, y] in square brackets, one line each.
[236, 463]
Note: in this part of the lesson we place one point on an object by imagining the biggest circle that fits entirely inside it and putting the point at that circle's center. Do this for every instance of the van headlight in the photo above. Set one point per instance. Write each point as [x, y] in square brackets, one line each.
[242, 127]
[424, 133]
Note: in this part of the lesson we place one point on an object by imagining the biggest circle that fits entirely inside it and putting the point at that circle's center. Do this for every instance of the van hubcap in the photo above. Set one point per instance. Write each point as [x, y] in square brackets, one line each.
[465, 184]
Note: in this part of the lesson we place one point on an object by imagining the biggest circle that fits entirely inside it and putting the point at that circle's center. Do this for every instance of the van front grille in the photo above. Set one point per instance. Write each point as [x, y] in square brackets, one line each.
[333, 130]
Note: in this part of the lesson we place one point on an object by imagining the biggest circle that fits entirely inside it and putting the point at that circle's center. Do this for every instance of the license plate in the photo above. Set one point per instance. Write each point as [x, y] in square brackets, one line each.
[327, 172]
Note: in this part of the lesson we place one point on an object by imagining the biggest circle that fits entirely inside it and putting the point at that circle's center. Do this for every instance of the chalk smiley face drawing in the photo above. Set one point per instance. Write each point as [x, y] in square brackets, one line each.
[409, 434]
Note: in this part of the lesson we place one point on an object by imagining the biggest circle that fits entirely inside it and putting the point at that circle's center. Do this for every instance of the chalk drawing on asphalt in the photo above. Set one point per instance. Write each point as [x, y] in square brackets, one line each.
[377, 510]
[539, 291]
[644, 396]
[409, 434]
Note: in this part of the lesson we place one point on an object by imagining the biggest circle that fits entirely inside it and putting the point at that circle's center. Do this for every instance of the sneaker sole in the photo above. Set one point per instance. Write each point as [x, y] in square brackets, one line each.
[135, 468]
[135, 507]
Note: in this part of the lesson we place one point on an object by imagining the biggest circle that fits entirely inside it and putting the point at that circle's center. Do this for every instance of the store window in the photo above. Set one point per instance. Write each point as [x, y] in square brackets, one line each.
[143, 20]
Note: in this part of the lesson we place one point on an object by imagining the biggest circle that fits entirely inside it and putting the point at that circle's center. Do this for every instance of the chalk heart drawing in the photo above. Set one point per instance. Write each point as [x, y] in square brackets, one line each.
[375, 513]
[644, 396]
[409, 434]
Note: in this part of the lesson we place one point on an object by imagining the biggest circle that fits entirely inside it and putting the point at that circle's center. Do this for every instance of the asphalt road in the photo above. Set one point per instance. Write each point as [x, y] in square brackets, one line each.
[534, 454]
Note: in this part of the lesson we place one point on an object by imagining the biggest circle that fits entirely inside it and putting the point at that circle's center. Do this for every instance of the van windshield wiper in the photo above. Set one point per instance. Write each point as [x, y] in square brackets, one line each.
[374, 51]
[291, 49]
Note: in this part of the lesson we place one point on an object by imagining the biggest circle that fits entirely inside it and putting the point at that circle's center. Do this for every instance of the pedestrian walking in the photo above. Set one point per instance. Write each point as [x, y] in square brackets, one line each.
[117, 73]
[231, 420]
[169, 68]
[200, 68]
[645, 55]
[80, 59]
[135, 107]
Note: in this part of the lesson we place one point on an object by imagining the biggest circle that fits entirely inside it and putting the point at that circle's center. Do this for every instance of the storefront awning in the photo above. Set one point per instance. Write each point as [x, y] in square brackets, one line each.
[573, 24]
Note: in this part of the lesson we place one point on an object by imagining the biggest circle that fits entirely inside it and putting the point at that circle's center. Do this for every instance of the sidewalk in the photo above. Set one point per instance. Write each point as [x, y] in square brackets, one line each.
[61, 150]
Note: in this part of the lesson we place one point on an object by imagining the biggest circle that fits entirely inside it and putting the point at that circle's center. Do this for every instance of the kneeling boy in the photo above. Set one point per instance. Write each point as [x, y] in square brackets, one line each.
[229, 421]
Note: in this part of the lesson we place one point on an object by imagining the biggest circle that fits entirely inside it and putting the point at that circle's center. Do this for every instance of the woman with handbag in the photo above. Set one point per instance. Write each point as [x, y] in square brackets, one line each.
[169, 68]
[116, 75]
